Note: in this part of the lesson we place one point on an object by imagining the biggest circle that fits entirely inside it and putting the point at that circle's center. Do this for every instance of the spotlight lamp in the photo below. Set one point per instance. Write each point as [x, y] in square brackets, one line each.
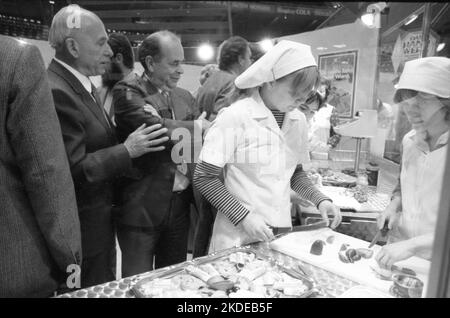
[372, 16]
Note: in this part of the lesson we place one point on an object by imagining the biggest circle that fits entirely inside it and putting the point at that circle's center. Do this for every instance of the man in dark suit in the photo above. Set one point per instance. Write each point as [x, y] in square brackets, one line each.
[154, 222]
[39, 226]
[95, 157]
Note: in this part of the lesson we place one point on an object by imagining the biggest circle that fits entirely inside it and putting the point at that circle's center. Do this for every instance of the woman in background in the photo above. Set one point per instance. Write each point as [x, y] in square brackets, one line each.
[424, 93]
[322, 136]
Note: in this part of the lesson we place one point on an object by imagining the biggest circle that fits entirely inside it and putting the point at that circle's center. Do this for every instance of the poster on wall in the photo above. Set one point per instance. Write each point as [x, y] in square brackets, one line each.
[408, 46]
[340, 69]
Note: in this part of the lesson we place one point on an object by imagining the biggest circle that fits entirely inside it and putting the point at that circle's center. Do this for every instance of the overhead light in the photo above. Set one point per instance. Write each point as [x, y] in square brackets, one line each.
[372, 17]
[339, 46]
[21, 41]
[411, 19]
[321, 48]
[51, 2]
[266, 44]
[440, 47]
[205, 52]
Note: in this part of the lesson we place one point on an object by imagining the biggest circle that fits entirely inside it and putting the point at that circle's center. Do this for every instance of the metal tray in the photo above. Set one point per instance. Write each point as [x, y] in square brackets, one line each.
[181, 269]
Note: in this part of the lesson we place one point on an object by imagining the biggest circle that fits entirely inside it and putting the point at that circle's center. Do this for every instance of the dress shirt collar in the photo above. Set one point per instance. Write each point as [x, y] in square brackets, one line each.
[84, 80]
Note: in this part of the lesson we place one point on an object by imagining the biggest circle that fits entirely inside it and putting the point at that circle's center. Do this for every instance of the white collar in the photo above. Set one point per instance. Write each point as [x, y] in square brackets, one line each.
[442, 140]
[260, 110]
[84, 80]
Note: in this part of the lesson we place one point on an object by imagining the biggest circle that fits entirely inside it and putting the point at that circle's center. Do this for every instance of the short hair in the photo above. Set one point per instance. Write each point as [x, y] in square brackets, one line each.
[119, 43]
[257, 51]
[230, 51]
[327, 82]
[65, 23]
[208, 68]
[152, 46]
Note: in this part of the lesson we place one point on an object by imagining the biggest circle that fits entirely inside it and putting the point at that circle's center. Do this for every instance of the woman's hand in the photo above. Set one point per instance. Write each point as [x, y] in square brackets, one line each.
[327, 207]
[391, 214]
[392, 253]
[256, 227]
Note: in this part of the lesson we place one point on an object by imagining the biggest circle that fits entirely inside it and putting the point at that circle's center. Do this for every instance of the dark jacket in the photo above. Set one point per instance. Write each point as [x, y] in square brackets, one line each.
[215, 92]
[147, 197]
[96, 159]
[39, 226]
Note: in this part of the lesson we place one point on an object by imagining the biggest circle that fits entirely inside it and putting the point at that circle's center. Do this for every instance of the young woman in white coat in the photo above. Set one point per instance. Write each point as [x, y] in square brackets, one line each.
[260, 143]
[424, 93]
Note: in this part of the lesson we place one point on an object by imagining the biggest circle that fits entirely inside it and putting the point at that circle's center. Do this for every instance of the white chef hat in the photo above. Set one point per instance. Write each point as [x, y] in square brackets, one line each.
[284, 58]
[429, 75]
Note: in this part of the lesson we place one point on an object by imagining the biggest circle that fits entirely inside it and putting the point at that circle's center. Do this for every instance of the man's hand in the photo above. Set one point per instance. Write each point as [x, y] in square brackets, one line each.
[149, 109]
[395, 252]
[255, 227]
[143, 140]
[325, 208]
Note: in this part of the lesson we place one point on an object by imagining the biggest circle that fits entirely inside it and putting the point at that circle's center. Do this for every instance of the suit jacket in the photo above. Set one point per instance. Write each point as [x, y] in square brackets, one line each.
[146, 199]
[214, 94]
[96, 160]
[39, 226]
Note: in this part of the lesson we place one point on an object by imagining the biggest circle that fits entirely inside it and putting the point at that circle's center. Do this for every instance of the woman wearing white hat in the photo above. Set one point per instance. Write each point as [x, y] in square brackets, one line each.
[260, 142]
[424, 93]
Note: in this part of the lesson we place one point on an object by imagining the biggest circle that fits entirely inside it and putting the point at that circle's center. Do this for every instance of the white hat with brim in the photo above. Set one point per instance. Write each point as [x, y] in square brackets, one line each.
[428, 75]
[284, 58]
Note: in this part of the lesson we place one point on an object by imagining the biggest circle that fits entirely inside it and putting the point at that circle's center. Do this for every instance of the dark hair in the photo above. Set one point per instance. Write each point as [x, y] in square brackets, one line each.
[327, 83]
[308, 75]
[257, 52]
[152, 46]
[119, 43]
[230, 51]
[404, 94]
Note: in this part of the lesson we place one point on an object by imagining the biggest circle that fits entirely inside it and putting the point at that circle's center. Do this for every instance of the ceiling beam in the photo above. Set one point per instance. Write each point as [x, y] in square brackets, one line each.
[167, 25]
[275, 8]
[187, 37]
[154, 13]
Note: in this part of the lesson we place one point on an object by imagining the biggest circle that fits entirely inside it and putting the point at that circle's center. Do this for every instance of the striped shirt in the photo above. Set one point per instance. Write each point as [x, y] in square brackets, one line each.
[206, 180]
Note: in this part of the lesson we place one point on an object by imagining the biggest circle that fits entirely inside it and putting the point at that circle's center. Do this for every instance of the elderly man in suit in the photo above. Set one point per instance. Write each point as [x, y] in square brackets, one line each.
[39, 226]
[96, 158]
[154, 222]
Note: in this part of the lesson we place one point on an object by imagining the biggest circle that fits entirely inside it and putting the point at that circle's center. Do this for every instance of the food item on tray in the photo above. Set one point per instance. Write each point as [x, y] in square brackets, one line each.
[247, 276]
[187, 282]
[351, 255]
[197, 272]
[317, 247]
[330, 239]
[225, 268]
[208, 268]
[364, 252]
[344, 247]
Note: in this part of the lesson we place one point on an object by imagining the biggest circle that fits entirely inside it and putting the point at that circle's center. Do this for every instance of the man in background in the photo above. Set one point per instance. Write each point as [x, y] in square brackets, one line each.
[120, 68]
[39, 226]
[234, 58]
[154, 222]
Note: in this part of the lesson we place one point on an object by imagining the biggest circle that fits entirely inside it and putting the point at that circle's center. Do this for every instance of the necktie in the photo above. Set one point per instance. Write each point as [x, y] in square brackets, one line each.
[99, 103]
[168, 100]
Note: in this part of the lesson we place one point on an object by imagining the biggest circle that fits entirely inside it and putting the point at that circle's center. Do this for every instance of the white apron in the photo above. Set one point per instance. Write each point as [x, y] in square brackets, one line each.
[421, 184]
[264, 186]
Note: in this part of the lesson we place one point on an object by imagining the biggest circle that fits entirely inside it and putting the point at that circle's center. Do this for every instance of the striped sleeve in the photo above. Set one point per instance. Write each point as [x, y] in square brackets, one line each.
[301, 184]
[206, 180]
